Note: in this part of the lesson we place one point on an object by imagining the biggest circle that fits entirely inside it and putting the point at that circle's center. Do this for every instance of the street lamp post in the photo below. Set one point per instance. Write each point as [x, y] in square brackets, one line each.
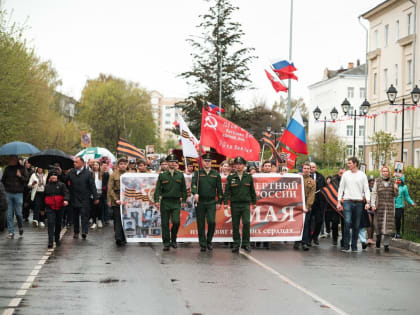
[363, 110]
[334, 114]
[415, 97]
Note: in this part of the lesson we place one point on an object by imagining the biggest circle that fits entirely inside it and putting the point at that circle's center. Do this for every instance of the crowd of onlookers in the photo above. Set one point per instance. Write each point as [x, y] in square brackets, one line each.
[79, 198]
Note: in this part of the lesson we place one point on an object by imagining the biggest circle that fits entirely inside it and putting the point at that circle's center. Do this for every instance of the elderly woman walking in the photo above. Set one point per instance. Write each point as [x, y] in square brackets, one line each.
[382, 203]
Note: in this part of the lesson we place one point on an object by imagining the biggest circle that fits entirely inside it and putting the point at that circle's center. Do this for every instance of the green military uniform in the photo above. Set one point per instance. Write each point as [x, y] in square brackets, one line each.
[170, 189]
[209, 189]
[240, 192]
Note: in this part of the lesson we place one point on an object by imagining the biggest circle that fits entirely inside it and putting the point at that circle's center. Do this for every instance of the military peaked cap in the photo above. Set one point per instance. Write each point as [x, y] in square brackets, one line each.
[239, 160]
[207, 156]
[172, 158]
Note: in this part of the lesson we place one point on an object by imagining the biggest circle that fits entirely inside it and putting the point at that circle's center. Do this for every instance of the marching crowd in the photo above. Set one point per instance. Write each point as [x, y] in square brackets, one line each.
[88, 197]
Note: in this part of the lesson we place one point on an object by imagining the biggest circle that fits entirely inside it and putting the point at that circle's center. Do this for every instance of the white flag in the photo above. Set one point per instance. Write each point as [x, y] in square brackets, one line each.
[188, 140]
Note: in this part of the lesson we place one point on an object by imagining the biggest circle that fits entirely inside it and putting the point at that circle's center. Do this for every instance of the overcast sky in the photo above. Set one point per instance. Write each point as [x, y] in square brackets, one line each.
[144, 41]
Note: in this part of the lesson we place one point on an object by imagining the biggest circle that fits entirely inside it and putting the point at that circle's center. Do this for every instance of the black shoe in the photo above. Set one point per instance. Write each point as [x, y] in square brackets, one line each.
[364, 245]
[378, 244]
[296, 245]
[50, 246]
[174, 245]
[334, 242]
[235, 250]
[84, 236]
[202, 249]
[57, 243]
[76, 235]
[247, 248]
[305, 247]
[386, 248]
[20, 231]
[166, 248]
[316, 242]
[209, 246]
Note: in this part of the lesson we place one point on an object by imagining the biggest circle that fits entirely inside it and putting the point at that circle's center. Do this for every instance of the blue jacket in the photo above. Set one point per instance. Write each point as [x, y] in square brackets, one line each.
[403, 194]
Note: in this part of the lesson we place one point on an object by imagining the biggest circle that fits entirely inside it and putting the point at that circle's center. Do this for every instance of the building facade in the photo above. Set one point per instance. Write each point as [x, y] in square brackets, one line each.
[164, 114]
[393, 59]
[330, 92]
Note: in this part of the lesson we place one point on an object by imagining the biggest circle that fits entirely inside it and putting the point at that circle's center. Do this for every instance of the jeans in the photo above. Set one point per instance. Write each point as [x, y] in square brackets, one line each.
[54, 224]
[362, 235]
[352, 214]
[14, 202]
[317, 215]
[38, 206]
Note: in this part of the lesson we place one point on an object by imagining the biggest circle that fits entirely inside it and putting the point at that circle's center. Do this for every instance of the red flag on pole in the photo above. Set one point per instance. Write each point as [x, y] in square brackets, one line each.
[227, 138]
[291, 158]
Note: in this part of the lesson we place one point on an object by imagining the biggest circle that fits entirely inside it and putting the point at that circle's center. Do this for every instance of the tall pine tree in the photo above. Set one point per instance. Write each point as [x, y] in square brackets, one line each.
[218, 53]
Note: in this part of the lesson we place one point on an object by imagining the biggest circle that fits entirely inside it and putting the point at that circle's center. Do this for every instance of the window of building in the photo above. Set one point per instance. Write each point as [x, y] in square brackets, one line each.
[396, 75]
[386, 79]
[405, 156]
[362, 93]
[417, 158]
[407, 118]
[360, 151]
[349, 150]
[409, 22]
[349, 130]
[409, 71]
[361, 131]
[395, 122]
[168, 115]
[397, 30]
[385, 117]
[167, 122]
[350, 92]
[386, 35]
[375, 39]
[375, 83]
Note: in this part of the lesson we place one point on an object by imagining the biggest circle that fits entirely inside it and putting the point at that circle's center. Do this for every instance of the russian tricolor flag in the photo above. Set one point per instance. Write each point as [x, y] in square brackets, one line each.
[284, 69]
[294, 135]
[214, 108]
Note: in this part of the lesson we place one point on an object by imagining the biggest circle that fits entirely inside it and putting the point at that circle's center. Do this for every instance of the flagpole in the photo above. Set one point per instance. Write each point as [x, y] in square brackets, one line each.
[262, 155]
[289, 94]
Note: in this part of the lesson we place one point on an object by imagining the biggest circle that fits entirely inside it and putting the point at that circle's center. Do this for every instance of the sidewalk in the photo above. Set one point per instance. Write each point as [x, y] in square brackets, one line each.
[407, 245]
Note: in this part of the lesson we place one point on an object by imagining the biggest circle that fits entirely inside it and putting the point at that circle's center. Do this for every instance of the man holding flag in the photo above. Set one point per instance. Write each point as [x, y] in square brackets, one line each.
[207, 190]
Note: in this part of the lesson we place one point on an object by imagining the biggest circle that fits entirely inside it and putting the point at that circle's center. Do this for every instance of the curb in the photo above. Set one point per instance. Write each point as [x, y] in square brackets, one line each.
[407, 245]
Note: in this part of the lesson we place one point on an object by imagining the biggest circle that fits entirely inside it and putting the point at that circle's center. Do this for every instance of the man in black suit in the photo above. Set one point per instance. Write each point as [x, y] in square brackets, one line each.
[318, 208]
[82, 187]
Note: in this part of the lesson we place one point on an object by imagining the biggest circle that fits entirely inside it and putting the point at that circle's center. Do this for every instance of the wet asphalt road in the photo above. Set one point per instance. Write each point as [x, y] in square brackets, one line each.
[96, 277]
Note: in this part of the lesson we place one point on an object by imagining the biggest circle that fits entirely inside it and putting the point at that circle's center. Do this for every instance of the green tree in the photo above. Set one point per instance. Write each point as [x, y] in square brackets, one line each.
[218, 49]
[383, 148]
[281, 108]
[27, 89]
[111, 108]
[330, 153]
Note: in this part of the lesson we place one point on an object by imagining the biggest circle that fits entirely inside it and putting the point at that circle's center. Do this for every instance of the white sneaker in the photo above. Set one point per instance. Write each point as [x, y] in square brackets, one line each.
[93, 226]
[10, 236]
[41, 224]
[100, 225]
[35, 223]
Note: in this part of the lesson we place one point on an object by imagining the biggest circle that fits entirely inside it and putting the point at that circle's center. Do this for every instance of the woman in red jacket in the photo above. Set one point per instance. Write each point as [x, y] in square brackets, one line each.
[56, 198]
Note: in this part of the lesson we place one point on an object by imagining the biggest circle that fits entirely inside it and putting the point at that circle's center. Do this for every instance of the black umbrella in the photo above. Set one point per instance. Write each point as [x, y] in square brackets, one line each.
[47, 158]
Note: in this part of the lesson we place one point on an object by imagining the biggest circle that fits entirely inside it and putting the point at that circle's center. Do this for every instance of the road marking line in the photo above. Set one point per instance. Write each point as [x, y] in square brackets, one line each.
[8, 311]
[15, 302]
[28, 283]
[25, 286]
[30, 279]
[295, 285]
[21, 292]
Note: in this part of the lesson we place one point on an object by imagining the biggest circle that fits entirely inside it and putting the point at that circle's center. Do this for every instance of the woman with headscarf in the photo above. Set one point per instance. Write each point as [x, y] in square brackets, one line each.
[382, 203]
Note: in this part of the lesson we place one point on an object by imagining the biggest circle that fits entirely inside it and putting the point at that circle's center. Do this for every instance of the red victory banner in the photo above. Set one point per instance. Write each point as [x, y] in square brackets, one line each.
[278, 215]
[227, 138]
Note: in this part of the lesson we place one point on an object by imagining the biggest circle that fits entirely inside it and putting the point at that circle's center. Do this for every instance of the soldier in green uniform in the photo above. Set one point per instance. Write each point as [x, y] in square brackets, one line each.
[240, 191]
[206, 188]
[170, 190]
